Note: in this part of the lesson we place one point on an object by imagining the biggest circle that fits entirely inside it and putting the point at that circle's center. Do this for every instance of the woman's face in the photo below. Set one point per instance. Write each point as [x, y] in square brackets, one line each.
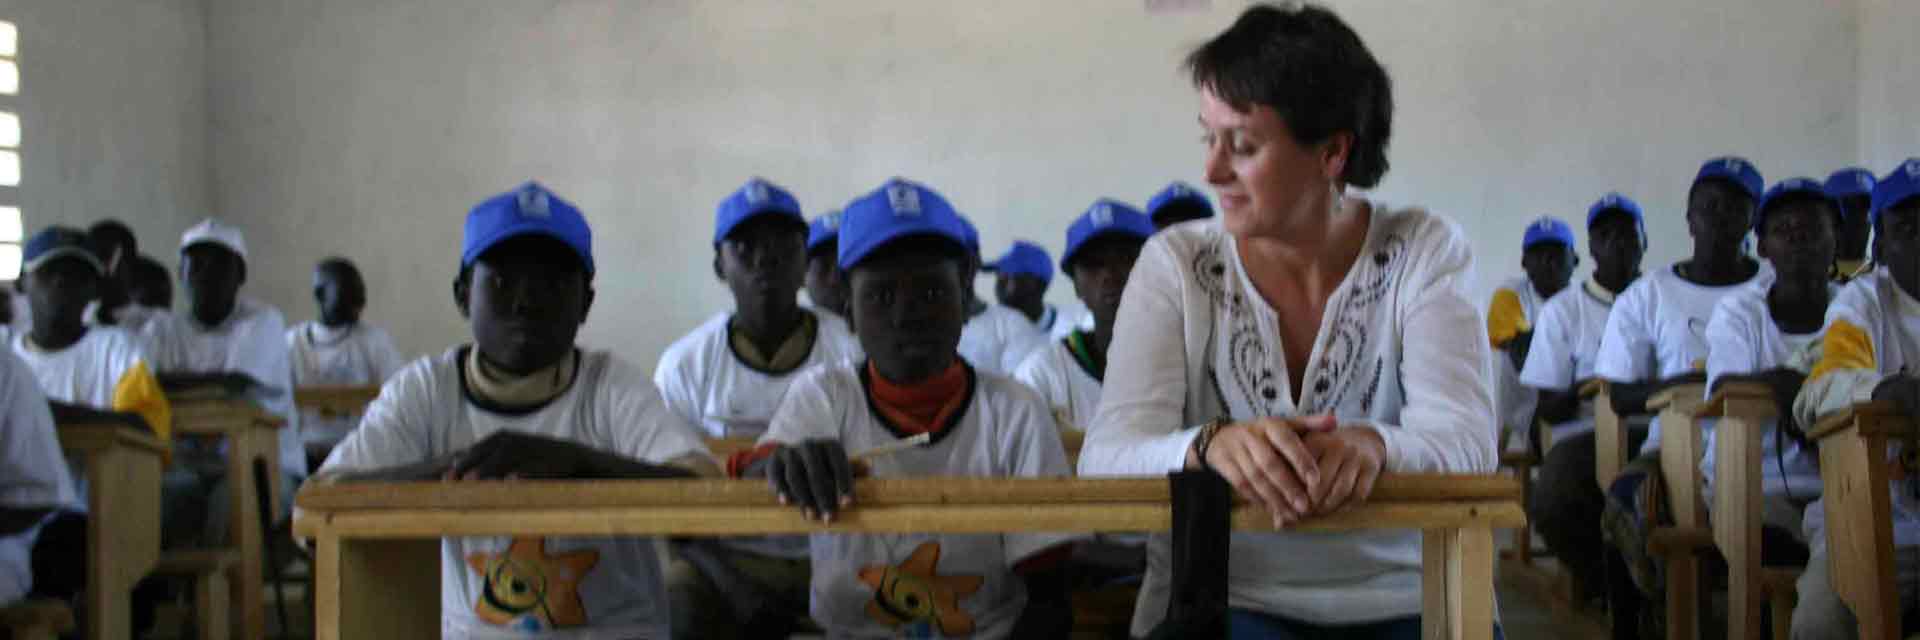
[1267, 183]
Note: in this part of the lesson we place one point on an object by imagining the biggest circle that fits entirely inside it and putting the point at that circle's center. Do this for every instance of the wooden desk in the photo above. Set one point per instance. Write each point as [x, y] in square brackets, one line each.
[1745, 410]
[377, 549]
[1610, 437]
[251, 434]
[122, 467]
[721, 448]
[336, 400]
[1854, 466]
[1680, 453]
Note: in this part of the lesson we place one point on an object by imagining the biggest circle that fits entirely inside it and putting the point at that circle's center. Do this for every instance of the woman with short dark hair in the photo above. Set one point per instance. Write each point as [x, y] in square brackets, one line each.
[1304, 344]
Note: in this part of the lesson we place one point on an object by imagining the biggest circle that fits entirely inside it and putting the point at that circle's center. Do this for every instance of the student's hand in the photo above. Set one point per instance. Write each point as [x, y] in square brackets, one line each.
[1266, 461]
[1902, 391]
[515, 455]
[1517, 349]
[1350, 460]
[814, 475]
[235, 382]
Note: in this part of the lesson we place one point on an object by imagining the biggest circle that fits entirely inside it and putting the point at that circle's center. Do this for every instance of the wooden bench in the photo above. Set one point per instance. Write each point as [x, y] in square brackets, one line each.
[207, 569]
[122, 467]
[251, 434]
[377, 545]
[1745, 410]
[36, 620]
[1854, 470]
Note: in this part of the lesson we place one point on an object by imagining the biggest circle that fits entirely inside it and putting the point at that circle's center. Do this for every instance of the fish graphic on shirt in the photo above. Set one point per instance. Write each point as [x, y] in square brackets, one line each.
[914, 595]
[527, 589]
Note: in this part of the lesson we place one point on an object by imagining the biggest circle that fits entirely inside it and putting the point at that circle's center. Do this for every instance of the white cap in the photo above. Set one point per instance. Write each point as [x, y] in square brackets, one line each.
[213, 231]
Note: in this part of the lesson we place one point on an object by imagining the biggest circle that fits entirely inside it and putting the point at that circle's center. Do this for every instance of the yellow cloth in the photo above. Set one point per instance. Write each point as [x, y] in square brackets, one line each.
[1506, 318]
[509, 390]
[138, 391]
[792, 352]
[1844, 347]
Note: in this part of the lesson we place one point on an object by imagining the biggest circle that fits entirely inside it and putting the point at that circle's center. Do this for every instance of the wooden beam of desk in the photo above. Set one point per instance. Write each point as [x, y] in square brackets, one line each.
[1737, 393]
[1874, 418]
[338, 399]
[867, 493]
[90, 437]
[220, 417]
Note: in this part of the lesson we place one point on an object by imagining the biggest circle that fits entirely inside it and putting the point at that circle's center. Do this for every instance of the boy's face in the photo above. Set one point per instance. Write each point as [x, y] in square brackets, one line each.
[761, 262]
[1549, 265]
[1798, 238]
[525, 300]
[152, 288]
[59, 291]
[1718, 211]
[212, 275]
[341, 294]
[824, 285]
[1019, 290]
[1177, 213]
[907, 311]
[1099, 272]
[1898, 244]
[1614, 243]
[1856, 229]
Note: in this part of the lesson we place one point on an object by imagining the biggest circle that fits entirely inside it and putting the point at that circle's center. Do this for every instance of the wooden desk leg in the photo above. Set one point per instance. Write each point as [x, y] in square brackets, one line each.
[1736, 520]
[376, 588]
[249, 601]
[1457, 584]
[1610, 440]
[123, 535]
[1860, 531]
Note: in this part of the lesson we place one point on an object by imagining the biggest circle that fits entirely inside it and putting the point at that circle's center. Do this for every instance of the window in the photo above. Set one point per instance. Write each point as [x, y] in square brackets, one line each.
[12, 226]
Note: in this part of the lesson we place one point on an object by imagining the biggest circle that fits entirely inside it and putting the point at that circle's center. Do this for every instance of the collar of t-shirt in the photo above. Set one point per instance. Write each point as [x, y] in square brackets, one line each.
[1080, 344]
[927, 406]
[501, 388]
[323, 335]
[32, 346]
[792, 351]
[1599, 291]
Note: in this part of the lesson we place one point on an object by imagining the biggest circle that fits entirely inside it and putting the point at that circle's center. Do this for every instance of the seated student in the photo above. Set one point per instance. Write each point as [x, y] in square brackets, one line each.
[1101, 247]
[149, 295]
[1021, 278]
[823, 266]
[229, 341]
[728, 376]
[116, 247]
[902, 250]
[523, 401]
[996, 338]
[1655, 339]
[1178, 203]
[1771, 334]
[1566, 504]
[1547, 256]
[338, 349]
[34, 484]
[1868, 350]
[1852, 188]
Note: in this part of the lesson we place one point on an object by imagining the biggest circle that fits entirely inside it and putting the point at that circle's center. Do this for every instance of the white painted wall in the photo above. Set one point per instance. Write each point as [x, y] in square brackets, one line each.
[113, 115]
[367, 127]
[1890, 82]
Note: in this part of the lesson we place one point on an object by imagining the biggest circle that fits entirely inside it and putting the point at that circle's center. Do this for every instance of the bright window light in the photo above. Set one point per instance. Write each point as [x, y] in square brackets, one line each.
[9, 77]
[9, 39]
[10, 228]
[9, 168]
[9, 262]
[9, 130]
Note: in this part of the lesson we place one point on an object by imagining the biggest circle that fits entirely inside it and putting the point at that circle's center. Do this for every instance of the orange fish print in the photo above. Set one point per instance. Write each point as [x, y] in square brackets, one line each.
[528, 590]
[915, 593]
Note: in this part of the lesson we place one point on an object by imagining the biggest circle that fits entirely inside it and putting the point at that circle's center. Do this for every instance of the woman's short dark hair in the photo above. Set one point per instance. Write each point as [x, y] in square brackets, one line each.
[1308, 65]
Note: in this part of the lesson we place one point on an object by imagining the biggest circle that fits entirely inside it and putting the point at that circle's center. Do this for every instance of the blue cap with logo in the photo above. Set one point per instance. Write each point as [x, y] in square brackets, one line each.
[1733, 169]
[753, 200]
[1791, 187]
[1896, 188]
[1850, 182]
[1177, 193]
[53, 243]
[824, 228]
[1546, 229]
[898, 209]
[1024, 259]
[1614, 201]
[530, 210]
[1106, 217]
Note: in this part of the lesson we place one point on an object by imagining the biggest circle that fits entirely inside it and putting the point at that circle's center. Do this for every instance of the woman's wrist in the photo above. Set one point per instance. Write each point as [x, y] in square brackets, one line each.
[1197, 451]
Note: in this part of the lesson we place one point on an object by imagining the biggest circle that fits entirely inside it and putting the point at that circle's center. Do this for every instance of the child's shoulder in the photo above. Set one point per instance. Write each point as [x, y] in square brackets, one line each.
[696, 344]
[1005, 397]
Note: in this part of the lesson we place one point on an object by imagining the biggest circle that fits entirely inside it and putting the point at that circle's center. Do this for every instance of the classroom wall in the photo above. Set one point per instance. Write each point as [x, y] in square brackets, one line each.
[113, 114]
[367, 127]
[1890, 82]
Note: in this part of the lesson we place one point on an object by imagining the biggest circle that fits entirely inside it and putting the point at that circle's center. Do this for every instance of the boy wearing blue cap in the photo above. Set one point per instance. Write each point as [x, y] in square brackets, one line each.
[226, 340]
[523, 401]
[1178, 203]
[1547, 256]
[823, 266]
[1102, 245]
[1566, 505]
[1852, 188]
[1021, 278]
[728, 376]
[1867, 352]
[903, 251]
[996, 337]
[338, 349]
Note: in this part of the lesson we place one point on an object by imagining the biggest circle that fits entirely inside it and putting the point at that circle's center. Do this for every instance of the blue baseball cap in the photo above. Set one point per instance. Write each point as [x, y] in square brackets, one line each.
[1788, 188]
[1178, 192]
[969, 235]
[1546, 229]
[1733, 169]
[1850, 182]
[752, 200]
[824, 228]
[1106, 217]
[1614, 201]
[1024, 258]
[53, 243]
[530, 210]
[1903, 183]
[896, 210]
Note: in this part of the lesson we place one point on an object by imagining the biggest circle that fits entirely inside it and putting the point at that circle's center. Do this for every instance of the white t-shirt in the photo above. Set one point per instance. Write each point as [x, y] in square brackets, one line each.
[359, 354]
[1743, 339]
[1065, 383]
[1004, 431]
[1566, 340]
[998, 339]
[595, 587]
[33, 473]
[252, 340]
[1658, 330]
[1516, 401]
[702, 380]
[1401, 349]
[106, 369]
